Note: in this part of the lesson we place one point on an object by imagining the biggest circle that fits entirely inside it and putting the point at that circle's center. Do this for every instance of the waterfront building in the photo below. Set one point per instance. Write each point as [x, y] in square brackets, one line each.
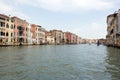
[82, 41]
[74, 39]
[6, 30]
[50, 39]
[58, 36]
[20, 31]
[34, 33]
[71, 38]
[47, 33]
[40, 35]
[113, 29]
[68, 37]
[16, 31]
[64, 38]
[102, 41]
[43, 31]
[29, 34]
[111, 24]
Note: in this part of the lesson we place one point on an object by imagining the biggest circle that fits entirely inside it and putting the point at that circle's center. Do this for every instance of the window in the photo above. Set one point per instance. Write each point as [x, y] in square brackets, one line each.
[12, 20]
[6, 40]
[111, 32]
[0, 40]
[11, 26]
[7, 34]
[11, 34]
[2, 34]
[2, 24]
[7, 26]
[20, 28]
[8, 19]
[14, 26]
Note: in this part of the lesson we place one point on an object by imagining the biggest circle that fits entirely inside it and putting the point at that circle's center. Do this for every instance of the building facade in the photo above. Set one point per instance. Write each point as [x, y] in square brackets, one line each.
[6, 30]
[49, 38]
[34, 33]
[58, 36]
[29, 34]
[16, 31]
[20, 31]
[74, 39]
[40, 35]
[68, 37]
[113, 29]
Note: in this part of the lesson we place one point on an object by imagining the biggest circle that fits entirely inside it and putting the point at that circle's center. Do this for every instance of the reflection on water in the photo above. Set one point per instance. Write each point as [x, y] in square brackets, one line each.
[113, 60]
[60, 62]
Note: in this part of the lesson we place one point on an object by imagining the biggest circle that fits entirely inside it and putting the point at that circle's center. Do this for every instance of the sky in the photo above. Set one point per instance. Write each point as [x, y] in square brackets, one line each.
[86, 18]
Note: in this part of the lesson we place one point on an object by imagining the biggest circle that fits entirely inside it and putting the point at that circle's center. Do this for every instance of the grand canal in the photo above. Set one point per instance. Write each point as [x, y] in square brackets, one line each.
[60, 62]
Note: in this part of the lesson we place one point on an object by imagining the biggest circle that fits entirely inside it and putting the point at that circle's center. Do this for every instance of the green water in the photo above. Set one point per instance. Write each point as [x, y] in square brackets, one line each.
[60, 62]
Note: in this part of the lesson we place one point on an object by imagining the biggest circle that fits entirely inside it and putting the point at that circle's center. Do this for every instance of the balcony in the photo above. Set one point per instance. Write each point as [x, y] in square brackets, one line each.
[21, 36]
[2, 28]
[20, 28]
[1, 18]
[2, 36]
[2, 24]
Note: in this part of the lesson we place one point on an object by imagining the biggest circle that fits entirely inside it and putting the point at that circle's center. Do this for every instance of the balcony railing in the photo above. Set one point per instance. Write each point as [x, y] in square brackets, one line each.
[1, 36]
[20, 28]
[21, 36]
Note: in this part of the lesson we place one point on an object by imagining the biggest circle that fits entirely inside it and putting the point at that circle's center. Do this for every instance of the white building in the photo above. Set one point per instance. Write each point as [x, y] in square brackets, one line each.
[29, 34]
[40, 35]
[50, 39]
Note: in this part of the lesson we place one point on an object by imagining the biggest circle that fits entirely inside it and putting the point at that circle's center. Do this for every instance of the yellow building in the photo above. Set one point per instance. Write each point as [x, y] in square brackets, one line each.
[6, 30]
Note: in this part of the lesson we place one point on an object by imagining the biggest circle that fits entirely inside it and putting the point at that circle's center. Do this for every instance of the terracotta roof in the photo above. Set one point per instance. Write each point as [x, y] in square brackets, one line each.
[18, 18]
[112, 14]
[4, 15]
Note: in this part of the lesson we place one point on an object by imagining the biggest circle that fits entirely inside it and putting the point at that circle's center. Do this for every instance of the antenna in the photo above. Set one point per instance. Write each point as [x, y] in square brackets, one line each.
[9, 15]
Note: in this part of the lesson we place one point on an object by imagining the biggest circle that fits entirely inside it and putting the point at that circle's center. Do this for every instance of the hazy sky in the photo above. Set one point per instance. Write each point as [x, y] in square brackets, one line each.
[86, 18]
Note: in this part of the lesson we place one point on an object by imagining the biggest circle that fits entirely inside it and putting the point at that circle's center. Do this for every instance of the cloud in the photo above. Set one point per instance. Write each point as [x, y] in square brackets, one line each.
[91, 31]
[11, 10]
[5, 8]
[92, 4]
[68, 5]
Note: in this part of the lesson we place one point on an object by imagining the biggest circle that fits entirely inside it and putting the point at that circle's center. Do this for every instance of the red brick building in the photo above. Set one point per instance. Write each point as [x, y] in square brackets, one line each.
[20, 30]
[68, 37]
[34, 33]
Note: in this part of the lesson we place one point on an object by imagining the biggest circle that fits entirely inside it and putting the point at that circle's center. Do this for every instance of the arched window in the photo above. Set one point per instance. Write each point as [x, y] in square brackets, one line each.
[7, 34]
[14, 26]
[11, 26]
[2, 33]
[11, 34]
[7, 26]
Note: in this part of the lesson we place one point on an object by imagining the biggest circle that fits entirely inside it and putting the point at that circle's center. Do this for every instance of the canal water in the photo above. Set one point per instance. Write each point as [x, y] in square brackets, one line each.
[60, 62]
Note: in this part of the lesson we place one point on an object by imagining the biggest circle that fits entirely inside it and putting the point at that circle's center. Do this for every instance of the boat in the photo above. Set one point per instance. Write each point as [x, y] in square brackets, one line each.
[98, 43]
